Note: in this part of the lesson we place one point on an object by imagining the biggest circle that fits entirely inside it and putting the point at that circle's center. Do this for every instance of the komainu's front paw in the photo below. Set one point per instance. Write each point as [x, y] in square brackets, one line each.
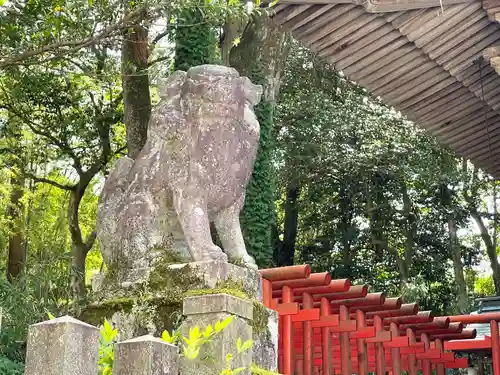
[214, 253]
[249, 262]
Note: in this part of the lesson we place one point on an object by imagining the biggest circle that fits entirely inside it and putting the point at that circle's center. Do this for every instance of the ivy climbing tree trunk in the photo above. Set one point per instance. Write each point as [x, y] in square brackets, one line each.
[195, 41]
[136, 98]
[260, 56]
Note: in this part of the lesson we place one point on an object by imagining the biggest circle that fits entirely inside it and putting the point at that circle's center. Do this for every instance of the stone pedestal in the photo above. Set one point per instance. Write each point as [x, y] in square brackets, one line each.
[146, 355]
[62, 346]
[208, 309]
[155, 304]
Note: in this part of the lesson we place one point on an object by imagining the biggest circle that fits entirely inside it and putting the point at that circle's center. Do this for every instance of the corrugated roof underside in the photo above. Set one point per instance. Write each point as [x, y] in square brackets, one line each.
[423, 62]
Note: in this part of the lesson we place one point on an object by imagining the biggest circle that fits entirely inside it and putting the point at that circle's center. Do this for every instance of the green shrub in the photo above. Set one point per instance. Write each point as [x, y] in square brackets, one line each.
[8, 367]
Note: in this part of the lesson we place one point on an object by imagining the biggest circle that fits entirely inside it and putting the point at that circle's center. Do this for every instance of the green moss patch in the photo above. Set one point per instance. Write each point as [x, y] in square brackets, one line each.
[233, 288]
[157, 301]
[260, 318]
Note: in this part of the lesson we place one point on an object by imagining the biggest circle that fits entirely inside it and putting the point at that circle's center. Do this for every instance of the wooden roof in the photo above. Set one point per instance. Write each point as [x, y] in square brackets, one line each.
[433, 61]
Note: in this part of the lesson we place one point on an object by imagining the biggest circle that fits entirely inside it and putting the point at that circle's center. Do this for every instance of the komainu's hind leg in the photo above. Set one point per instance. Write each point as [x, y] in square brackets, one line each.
[227, 223]
[193, 217]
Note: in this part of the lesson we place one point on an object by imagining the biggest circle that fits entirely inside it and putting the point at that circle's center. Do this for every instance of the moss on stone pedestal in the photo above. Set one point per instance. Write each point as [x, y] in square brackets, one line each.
[233, 288]
[156, 302]
[260, 319]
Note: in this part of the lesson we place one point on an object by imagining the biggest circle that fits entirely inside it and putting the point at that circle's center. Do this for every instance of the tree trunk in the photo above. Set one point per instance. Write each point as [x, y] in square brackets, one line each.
[286, 256]
[458, 268]
[376, 234]
[490, 249]
[17, 256]
[261, 56]
[410, 230]
[80, 248]
[233, 28]
[136, 98]
[346, 228]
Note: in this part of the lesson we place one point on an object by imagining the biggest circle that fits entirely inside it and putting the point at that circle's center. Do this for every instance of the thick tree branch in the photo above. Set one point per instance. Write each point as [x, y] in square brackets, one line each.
[159, 59]
[68, 46]
[49, 181]
[90, 241]
[159, 37]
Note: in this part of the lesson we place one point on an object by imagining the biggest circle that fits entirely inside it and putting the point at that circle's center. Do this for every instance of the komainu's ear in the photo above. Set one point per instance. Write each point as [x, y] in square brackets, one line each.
[252, 92]
[172, 85]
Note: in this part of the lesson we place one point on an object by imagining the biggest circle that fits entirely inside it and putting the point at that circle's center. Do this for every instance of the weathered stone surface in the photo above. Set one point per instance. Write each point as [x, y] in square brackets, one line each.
[202, 142]
[265, 343]
[62, 346]
[156, 305]
[146, 355]
[217, 303]
[212, 308]
[136, 315]
[214, 273]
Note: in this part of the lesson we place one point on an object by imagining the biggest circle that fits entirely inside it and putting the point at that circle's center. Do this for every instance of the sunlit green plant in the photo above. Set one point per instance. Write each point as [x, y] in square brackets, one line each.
[190, 345]
[196, 338]
[106, 348]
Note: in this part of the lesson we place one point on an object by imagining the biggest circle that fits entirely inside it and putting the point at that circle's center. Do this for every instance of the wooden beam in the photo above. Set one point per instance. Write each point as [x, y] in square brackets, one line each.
[376, 6]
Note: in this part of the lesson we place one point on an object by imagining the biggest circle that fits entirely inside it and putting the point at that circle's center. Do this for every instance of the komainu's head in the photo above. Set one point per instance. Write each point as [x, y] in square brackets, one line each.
[214, 84]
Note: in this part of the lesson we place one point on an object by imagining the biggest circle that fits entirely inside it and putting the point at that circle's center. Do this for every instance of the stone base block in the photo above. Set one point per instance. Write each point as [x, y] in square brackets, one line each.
[208, 309]
[146, 355]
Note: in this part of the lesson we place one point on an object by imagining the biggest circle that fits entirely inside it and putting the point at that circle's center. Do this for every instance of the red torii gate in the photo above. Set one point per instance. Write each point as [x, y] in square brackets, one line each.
[332, 327]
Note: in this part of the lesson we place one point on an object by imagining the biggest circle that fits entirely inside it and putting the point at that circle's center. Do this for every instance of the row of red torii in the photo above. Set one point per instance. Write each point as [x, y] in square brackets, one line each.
[331, 327]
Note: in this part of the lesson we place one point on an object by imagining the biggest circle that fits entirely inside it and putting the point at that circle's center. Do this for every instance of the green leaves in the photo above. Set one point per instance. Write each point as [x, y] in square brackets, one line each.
[108, 333]
[219, 326]
[106, 348]
[243, 346]
[196, 338]
[191, 352]
[171, 339]
[208, 332]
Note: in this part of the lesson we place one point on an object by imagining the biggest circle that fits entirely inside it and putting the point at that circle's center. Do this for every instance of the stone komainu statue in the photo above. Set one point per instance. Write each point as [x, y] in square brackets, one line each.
[202, 142]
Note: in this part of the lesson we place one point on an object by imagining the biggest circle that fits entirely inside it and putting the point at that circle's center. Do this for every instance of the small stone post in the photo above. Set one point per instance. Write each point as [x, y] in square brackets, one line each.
[208, 309]
[62, 346]
[146, 355]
